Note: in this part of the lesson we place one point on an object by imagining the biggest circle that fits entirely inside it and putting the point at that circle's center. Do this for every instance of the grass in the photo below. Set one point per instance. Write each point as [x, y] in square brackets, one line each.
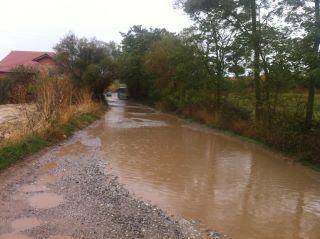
[255, 136]
[304, 159]
[28, 146]
[287, 101]
[234, 134]
[79, 122]
[11, 154]
[309, 163]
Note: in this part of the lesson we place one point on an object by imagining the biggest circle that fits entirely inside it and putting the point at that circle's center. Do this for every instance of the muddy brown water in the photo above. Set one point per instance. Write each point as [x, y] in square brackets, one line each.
[14, 236]
[226, 184]
[22, 224]
[45, 200]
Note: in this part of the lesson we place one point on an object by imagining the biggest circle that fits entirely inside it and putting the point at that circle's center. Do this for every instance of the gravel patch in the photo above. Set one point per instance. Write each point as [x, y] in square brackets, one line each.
[92, 203]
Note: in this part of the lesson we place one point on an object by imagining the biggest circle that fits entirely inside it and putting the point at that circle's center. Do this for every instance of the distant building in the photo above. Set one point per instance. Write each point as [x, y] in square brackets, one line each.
[41, 61]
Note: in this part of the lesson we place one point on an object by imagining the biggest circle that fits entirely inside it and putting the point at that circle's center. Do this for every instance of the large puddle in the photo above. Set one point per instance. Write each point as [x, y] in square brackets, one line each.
[22, 224]
[45, 200]
[231, 186]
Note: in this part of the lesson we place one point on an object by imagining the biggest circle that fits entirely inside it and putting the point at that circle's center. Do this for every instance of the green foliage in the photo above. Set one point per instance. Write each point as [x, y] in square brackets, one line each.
[18, 86]
[87, 118]
[15, 152]
[247, 66]
[11, 154]
[208, 73]
[135, 44]
[90, 63]
[4, 89]
[176, 72]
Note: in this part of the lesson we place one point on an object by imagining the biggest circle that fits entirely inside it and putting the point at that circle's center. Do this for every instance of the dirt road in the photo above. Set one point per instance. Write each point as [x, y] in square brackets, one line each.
[68, 192]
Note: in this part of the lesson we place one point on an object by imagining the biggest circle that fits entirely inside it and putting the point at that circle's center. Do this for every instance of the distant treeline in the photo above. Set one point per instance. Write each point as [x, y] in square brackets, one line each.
[251, 67]
[248, 66]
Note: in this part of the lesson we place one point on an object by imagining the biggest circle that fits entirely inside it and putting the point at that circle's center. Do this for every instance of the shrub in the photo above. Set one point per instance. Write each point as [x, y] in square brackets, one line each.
[18, 86]
[89, 63]
[54, 98]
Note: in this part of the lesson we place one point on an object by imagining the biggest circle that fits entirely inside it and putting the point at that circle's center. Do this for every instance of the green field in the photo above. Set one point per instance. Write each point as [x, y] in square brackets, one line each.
[287, 102]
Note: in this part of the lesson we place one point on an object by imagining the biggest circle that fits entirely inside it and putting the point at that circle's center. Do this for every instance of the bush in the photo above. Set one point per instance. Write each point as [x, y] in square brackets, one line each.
[89, 63]
[4, 89]
[56, 102]
[54, 98]
[18, 86]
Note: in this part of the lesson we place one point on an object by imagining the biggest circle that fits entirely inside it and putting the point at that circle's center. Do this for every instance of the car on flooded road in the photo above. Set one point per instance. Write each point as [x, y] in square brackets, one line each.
[122, 93]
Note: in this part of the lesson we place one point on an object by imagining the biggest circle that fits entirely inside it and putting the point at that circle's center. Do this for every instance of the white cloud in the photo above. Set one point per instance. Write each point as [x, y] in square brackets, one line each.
[39, 24]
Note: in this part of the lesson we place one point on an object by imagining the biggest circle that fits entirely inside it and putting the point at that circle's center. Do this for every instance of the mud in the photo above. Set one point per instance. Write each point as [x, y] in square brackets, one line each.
[235, 187]
[67, 193]
[22, 224]
[139, 173]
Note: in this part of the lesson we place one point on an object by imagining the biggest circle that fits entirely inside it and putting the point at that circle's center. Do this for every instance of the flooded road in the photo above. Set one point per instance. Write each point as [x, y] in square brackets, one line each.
[228, 185]
[69, 191]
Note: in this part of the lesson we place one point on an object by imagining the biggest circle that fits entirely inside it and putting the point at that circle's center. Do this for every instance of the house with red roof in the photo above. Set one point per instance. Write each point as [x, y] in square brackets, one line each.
[41, 61]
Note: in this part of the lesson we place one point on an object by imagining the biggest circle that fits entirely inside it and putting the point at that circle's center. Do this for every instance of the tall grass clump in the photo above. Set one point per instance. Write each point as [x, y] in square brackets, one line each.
[57, 111]
[57, 102]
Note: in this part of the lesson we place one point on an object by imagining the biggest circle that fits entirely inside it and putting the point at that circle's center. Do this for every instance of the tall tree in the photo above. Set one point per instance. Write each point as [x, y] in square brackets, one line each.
[305, 17]
[178, 72]
[213, 36]
[256, 46]
[90, 63]
[244, 17]
[136, 42]
[314, 66]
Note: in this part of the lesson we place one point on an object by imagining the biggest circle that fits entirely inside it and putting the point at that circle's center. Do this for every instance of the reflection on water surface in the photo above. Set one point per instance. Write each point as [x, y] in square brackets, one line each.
[230, 186]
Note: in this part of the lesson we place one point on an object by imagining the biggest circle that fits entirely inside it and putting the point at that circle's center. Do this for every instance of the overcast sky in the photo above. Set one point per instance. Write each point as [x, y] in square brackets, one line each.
[37, 25]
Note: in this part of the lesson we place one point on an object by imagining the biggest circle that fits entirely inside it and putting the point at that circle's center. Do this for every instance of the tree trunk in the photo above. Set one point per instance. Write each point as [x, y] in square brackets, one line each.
[266, 88]
[312, 79]
[218, 87]
[256, 61]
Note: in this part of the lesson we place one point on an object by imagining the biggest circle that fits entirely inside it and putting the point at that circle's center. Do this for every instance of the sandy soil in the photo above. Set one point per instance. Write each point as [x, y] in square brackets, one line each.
[15, 121]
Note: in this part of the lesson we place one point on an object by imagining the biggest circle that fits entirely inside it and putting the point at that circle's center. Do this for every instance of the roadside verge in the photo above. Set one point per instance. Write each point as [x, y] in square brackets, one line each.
[16, 151]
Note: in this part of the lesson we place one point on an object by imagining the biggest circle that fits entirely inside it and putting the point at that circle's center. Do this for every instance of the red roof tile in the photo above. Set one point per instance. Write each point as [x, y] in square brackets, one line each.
[25, 58]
